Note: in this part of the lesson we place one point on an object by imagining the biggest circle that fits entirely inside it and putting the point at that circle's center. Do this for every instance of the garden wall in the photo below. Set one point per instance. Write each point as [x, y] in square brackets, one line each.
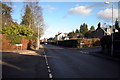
[106, 43]
[7, 46]
[68, 43]
[90, 42]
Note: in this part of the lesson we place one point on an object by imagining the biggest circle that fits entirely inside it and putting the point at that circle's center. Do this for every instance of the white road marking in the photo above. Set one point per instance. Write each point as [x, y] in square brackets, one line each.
[47, 64]
[48, 67]
[49, 70]
[50, 75]
[83, 52]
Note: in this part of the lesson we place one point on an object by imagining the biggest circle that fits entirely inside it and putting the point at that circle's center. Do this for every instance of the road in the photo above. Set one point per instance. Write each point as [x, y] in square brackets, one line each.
[72, 63]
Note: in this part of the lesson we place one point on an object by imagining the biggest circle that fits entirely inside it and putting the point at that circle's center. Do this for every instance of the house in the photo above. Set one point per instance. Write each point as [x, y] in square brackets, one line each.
[77, 35]
[43, 40]
[61, 36]
[100, 32]
[65, 36]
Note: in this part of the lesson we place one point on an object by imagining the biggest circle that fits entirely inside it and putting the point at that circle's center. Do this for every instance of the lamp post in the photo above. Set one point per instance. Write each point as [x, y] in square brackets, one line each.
[112, 27]
[38, 41]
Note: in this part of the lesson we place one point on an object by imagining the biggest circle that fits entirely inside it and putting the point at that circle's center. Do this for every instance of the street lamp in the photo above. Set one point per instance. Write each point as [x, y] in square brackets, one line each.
[38, 44]
[112, 11]
[112, 27]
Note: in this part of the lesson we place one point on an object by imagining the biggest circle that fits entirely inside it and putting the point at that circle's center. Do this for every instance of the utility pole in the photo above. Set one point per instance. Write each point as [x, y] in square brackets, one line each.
[38, 40]
[112, 27]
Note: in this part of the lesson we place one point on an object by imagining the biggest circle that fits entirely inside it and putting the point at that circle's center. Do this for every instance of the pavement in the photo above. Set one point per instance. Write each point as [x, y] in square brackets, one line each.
[24, 52]
[28, 64]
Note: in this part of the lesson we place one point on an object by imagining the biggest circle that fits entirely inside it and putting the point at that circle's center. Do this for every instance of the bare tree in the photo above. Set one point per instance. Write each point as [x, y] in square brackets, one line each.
[38, 19]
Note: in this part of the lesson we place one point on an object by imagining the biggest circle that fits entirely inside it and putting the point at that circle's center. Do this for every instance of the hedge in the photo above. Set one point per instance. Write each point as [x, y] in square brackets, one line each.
[75, 43]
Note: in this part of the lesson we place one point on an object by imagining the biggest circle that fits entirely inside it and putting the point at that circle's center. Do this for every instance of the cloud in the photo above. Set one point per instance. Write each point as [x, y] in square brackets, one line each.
[80, 10]
[106, 14]
[49, 8]
[85, 10]
[99, 5]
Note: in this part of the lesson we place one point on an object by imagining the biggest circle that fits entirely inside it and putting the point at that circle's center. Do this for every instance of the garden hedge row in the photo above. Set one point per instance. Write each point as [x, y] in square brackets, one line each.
[76, 43]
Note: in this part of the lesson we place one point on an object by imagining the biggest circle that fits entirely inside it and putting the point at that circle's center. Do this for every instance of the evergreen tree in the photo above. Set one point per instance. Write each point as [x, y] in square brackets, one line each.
[99, 25]
[77, 31]
[28, 18]
[116, 24]
[81, 28]
[33, 18]
[6, 15]
[92, 28]
[84, 28]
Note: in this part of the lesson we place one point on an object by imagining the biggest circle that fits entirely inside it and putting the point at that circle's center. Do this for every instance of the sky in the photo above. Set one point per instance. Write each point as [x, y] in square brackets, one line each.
[68, 16]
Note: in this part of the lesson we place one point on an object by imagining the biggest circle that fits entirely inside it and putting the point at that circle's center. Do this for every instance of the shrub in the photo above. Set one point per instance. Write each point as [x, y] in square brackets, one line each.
[14, 39]
[15, 33]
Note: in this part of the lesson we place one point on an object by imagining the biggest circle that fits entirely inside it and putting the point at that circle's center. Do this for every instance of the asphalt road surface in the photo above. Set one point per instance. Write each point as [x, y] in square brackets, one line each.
[72, 63]
[21, 66]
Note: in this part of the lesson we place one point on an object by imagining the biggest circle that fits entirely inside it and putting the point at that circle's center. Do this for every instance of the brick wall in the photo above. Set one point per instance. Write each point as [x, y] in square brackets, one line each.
[90, 42]
[7, 46]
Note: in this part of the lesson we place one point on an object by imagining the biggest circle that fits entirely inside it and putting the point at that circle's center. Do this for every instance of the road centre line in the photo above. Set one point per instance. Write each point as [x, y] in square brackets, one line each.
[49, 70]
[84, 52]
[50, 75]
[48, 67]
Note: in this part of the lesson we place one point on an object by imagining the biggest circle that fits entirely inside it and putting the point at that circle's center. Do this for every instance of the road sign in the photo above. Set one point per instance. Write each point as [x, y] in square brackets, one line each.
[17, 45]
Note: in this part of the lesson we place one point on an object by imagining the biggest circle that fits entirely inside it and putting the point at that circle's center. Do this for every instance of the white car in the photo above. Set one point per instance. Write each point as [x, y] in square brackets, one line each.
[46, 43]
